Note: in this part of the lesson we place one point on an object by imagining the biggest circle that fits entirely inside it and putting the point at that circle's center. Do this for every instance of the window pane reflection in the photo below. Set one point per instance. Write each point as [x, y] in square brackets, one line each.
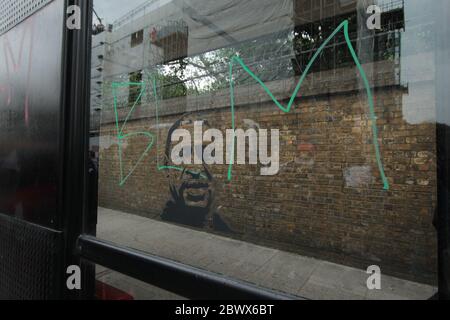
[291, 144]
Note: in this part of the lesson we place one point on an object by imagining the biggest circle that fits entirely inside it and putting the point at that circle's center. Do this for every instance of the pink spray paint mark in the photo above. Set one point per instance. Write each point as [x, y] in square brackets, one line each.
[16, 64]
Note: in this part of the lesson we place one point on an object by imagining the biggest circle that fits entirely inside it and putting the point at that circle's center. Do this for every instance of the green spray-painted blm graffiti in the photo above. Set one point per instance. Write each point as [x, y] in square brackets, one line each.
[237, 61]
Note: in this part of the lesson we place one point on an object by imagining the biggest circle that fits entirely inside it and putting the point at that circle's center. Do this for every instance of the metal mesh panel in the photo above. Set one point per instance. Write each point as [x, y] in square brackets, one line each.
[29, 261]
[12, 12]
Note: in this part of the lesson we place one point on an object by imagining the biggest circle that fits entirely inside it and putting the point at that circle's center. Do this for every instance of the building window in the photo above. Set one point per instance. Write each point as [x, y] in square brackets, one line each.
[137, 38]
[135, 90]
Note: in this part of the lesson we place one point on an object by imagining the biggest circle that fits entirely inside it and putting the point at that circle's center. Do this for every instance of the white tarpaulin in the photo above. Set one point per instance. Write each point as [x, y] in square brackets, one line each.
[214, 24]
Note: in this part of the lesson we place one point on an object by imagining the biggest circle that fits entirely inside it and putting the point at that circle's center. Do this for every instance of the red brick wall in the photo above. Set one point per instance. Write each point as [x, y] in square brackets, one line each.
[327, 200]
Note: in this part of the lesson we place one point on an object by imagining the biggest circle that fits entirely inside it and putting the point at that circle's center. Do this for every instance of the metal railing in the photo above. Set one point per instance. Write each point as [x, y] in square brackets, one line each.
[183, 280]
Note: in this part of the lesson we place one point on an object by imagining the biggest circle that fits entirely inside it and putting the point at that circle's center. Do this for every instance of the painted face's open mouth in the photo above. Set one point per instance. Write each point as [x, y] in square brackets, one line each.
[196, 194]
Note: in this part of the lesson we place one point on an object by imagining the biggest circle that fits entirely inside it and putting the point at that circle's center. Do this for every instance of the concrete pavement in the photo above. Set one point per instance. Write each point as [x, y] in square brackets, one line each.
[270, 268]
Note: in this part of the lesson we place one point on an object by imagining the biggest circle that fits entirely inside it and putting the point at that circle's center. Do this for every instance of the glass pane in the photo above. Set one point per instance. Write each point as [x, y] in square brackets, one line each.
[291, 144]
[30, 87]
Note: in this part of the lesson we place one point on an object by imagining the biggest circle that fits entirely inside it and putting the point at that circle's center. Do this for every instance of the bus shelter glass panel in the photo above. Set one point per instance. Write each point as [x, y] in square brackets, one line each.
[291, 144]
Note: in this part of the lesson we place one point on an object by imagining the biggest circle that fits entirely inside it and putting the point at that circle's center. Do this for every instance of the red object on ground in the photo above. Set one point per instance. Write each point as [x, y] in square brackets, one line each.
[106, 292]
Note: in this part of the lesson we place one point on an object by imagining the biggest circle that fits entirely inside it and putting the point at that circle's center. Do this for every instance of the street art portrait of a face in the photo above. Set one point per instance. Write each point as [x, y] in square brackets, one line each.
[193, 191]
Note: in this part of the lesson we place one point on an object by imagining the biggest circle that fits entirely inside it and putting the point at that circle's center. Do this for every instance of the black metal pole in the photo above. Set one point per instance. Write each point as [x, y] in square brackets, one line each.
[174, 277]
[442, 221]
[75, 143]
